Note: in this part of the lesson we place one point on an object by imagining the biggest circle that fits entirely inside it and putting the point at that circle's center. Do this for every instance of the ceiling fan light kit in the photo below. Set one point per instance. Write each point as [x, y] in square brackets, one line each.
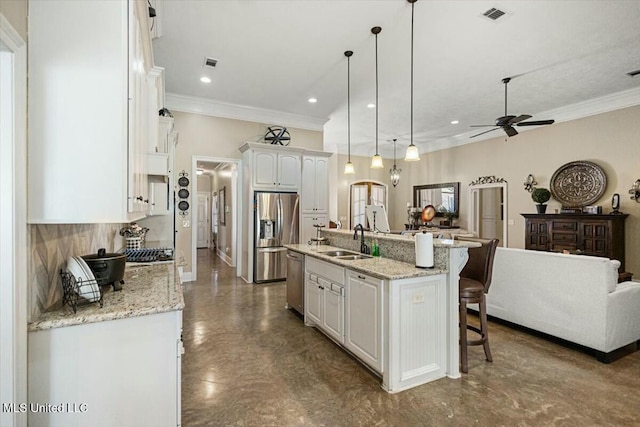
[412, 154]
[376, 160]
[507, 121]
[348, 167]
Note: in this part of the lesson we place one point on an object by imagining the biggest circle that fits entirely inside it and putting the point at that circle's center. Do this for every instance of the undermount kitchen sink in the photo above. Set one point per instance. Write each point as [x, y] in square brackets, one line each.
[353, 257]
[338, 253]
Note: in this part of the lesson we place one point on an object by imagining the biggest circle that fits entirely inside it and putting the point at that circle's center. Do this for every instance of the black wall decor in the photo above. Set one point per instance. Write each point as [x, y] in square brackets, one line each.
[183, 193]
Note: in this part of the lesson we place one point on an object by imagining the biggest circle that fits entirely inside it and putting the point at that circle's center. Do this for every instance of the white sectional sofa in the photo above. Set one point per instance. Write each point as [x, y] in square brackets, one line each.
[572, 297]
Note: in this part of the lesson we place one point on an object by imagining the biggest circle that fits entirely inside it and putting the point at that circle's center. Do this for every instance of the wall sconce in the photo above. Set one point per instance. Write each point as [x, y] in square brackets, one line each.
[635, 191]
[530, 183]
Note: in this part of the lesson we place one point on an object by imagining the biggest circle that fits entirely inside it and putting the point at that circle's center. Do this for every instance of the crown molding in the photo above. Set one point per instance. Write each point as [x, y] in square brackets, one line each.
[209, 107]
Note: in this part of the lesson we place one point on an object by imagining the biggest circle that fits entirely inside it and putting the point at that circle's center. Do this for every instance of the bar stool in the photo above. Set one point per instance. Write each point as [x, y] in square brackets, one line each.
[475, 279]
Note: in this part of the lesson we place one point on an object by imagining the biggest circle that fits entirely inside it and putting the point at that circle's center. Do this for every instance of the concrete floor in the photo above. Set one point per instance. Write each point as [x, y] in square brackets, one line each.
[251, 362]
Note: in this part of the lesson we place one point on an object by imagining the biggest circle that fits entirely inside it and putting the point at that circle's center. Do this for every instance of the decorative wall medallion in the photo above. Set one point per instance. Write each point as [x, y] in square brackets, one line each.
[578, 184]
[183, 194]
[487, 180]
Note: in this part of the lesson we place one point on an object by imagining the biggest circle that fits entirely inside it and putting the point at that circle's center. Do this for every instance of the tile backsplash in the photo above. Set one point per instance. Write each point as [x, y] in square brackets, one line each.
[51, 245]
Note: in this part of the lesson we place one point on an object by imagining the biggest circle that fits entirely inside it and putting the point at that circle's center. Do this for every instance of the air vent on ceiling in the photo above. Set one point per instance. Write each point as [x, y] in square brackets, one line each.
[494, 14]
[210, 62]
[633, 73]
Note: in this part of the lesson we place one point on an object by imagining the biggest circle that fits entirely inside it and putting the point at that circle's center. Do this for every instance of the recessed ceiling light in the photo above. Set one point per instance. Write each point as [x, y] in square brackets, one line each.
[454, 122]
[313, 100]
[205, 79]
[371, 105]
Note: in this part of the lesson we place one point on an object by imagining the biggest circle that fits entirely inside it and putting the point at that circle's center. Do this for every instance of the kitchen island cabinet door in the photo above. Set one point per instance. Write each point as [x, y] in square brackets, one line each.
[122, 373]
[364, 317]
[314, 300]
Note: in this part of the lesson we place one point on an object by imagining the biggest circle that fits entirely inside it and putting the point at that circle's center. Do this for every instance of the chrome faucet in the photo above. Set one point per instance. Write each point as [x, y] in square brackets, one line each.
[364, 249]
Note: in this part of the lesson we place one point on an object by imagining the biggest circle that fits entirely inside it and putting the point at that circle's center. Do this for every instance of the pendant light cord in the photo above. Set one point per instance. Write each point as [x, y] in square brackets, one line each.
[349, 106]
[377, 94]
[412, 6]
[394, 153]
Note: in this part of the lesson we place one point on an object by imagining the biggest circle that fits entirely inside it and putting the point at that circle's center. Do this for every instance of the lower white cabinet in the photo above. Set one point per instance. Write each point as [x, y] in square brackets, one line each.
[364, 312]
[123, 372]
[314, 304]
[324, 293]
[333, 319]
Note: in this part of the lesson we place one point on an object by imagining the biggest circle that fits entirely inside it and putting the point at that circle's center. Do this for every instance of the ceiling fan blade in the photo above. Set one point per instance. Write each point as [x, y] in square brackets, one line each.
[519, 119]
[510, 131]
[480, 126]
[537, 123]
[482, 133]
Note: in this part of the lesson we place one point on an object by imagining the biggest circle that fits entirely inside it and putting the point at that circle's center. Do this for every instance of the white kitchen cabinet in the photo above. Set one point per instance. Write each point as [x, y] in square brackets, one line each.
[124, 372]
[89, 111]
[364, 318]
[274, 170]
[158, 164]
[307, 222]
[159, 198]
[324, 297]
[333, 316]
[165, 127]
[314, 195]
[314, 304]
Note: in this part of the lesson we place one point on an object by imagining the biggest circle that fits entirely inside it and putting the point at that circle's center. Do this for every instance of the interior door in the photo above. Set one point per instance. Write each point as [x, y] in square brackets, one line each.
[489, 213]
[203, 220]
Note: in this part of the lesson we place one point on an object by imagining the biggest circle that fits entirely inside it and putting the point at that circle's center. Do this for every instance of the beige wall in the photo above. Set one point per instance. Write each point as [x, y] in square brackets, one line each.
[216, 137]
[612, 140]
[16, 13]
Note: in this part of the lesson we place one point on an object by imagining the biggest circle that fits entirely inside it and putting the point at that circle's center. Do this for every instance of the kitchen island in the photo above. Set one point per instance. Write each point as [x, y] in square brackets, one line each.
[399, 320]
[115, 365]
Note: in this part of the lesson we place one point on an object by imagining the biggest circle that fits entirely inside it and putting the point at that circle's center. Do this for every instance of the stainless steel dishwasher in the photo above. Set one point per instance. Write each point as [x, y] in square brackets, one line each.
[295, 281]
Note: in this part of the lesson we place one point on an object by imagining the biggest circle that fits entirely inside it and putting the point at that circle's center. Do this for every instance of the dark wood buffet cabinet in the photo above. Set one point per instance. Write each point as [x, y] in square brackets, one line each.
[587, 234]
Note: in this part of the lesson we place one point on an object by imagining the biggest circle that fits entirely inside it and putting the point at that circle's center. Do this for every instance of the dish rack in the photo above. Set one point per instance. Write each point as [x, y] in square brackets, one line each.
[71, 288]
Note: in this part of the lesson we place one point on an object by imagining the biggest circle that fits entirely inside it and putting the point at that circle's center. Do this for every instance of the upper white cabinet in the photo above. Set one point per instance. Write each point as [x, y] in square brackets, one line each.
[314, 197]
[89, 111]
[276, 170]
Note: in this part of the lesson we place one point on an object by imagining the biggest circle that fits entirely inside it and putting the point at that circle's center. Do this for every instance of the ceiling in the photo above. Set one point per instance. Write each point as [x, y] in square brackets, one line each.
[274, 55]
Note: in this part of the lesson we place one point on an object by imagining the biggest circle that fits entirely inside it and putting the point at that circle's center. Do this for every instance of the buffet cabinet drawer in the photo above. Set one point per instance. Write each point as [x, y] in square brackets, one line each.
[564, 226]
[564, 238]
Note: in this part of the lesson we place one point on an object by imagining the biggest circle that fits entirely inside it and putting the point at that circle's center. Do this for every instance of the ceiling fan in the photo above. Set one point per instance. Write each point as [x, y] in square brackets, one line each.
[506, 122]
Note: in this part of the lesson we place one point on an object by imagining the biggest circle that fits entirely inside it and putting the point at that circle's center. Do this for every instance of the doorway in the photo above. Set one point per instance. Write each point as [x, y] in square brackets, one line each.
[203, 224]
[223, 182]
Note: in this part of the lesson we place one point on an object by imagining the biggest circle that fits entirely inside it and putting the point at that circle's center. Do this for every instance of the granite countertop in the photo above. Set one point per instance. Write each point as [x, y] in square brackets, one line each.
[380, 267]
[437, 243]
[148, 289]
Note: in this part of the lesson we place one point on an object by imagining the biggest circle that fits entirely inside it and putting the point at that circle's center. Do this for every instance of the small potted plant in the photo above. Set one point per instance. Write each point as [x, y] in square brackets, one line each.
[541, 196]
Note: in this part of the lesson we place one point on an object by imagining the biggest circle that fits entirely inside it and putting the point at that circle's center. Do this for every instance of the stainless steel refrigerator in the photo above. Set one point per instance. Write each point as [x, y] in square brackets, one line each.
[276, 224]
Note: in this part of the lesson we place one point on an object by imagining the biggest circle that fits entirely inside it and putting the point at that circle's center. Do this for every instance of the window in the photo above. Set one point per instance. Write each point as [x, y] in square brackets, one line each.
[364, 193]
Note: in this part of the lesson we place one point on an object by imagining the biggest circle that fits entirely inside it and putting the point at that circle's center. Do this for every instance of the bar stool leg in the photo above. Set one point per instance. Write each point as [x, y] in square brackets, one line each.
[463, 336]
[485, 328]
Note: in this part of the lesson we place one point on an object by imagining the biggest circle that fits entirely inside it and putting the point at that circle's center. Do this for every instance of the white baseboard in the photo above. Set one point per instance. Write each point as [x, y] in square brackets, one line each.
[223, 256]
[186, 277]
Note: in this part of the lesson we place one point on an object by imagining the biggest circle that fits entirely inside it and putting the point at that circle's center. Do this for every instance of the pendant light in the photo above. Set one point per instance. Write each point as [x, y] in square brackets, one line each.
[348, 167]
[413, 154]
[394, 171]
[376, 160]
